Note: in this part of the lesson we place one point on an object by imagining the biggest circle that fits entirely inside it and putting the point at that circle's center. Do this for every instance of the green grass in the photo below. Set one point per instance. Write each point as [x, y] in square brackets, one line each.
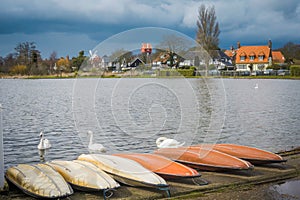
[48, 77]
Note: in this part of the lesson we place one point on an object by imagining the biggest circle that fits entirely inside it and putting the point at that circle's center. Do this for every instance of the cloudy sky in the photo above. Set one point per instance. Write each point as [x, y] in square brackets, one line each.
[68, 26]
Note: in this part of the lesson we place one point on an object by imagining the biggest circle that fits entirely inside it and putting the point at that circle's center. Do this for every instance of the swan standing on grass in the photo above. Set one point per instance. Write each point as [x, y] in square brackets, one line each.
[95, 148]
[164, 142]
[44, 143]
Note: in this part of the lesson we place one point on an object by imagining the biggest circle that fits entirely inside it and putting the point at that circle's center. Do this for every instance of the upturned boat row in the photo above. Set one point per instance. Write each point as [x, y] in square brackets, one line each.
[99, 172]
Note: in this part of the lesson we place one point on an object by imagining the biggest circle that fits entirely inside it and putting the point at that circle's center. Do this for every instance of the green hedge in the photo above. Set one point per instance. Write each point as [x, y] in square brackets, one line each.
[295, 70]
[176, 72]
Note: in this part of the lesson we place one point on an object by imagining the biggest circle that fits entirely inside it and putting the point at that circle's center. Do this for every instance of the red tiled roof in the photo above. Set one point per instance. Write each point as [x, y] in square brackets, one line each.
[255, 51]
[261, 53]
[252, 53]
[278, 57]
[243, 54]
[229, 53]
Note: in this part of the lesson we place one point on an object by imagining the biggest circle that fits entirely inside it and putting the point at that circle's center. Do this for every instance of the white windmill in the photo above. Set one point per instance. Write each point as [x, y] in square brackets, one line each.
[93, 54]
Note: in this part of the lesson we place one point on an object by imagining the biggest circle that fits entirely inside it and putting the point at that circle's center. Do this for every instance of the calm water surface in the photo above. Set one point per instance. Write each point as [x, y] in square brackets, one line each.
[129, 114]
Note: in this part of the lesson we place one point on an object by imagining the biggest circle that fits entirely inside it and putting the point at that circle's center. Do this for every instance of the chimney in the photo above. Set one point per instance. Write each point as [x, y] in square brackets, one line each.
[270, 44]
[238, 44]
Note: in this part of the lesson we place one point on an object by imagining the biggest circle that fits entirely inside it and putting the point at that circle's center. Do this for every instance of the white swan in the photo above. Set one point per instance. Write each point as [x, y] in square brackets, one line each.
[44, 143]
[164, 142]
[256, 86]
[95, 148]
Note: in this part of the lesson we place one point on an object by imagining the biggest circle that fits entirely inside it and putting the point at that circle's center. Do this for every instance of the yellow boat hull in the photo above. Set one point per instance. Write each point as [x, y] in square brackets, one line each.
[40, 181]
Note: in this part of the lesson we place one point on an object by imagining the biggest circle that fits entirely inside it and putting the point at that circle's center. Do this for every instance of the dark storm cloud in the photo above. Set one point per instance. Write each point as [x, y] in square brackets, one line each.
[253, 21]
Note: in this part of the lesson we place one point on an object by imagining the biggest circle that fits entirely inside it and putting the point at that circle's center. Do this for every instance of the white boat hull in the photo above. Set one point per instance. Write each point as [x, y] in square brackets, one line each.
[125, 170]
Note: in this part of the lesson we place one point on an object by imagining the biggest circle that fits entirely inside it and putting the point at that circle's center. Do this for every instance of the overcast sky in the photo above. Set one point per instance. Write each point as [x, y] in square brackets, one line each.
[68, 26]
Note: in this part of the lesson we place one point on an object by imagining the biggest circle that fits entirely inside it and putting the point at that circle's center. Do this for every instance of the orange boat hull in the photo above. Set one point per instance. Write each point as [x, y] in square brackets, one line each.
[163, 166]
[204, 159]
[251, 154]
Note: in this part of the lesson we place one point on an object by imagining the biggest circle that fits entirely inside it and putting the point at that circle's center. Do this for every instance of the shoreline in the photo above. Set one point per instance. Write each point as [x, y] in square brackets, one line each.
[71, 76]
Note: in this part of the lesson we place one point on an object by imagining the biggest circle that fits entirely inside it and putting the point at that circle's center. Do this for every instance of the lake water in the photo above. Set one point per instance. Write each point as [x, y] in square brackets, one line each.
[130, 114]
[288, 190]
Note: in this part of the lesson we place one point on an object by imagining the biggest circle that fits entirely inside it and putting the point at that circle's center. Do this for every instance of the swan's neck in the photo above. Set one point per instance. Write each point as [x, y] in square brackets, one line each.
[91, 139]
[42, 143]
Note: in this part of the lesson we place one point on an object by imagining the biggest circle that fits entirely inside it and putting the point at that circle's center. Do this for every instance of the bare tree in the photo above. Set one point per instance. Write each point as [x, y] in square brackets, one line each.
[24, 52]
[175, 43]
[121, 55]
[291, 51]
[175, 46]
[208, 30]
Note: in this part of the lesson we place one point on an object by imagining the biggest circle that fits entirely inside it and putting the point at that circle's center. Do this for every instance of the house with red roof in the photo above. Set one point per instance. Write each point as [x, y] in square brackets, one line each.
[253, 58]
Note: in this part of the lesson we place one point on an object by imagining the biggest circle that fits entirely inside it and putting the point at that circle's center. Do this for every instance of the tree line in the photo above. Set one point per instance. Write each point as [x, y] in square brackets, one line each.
[26, 60]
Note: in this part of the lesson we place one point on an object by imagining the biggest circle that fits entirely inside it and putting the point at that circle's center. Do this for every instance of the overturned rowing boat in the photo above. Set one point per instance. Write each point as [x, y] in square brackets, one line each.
[84, 176]
[251, 154]
[126, 171]
[204, 159]
[162, 166]
[40, 181]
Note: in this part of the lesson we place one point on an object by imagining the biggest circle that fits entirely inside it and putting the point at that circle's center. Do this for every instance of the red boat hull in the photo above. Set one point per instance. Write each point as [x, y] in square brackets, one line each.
[201, 158]
[251, 154]
[163, 166]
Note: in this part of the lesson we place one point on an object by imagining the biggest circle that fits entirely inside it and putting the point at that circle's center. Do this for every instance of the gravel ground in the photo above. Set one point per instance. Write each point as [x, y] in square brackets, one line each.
[249, 193]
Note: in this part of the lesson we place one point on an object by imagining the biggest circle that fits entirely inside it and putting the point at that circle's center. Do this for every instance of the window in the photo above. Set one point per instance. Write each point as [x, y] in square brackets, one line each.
[241, 66]
[261, 57]
[251, 56]
[243, 56]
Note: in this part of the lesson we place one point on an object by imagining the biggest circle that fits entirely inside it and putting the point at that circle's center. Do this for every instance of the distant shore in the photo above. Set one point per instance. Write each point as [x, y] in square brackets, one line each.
[110, 75]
